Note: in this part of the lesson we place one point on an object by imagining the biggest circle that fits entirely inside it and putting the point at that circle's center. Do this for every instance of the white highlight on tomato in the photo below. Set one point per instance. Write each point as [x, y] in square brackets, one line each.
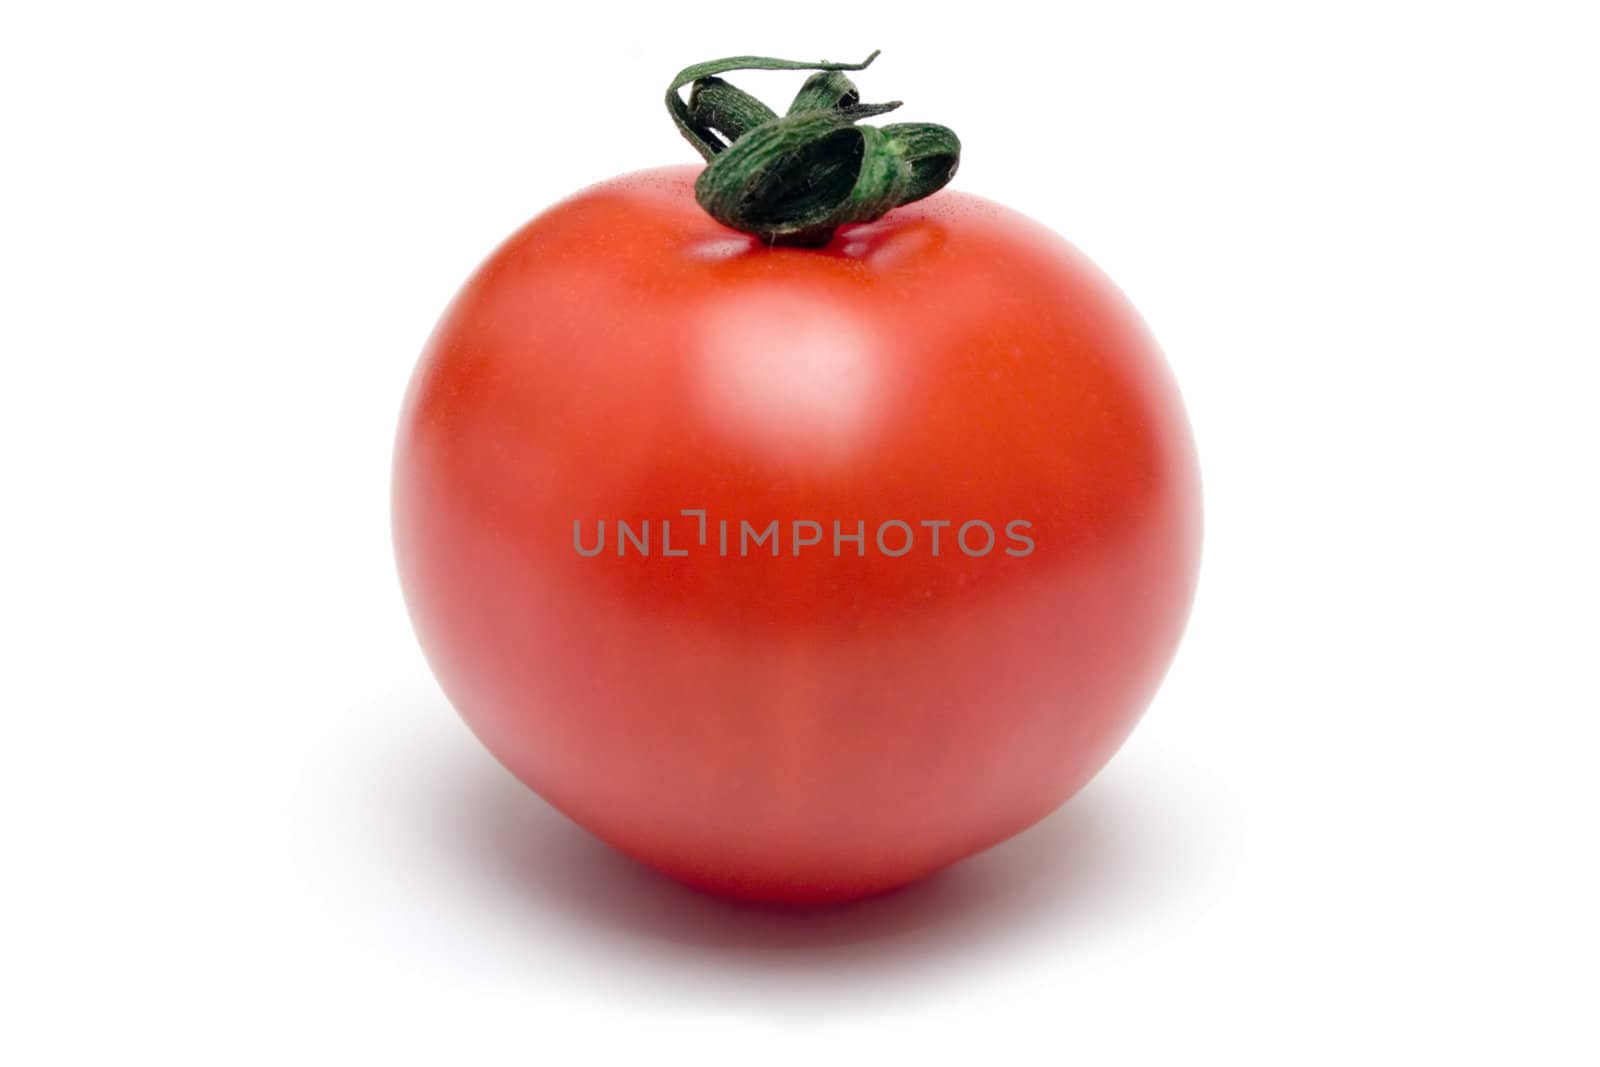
[784, 372]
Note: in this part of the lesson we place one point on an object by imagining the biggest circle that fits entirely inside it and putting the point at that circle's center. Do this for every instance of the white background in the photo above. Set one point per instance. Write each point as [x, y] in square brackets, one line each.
[241, 824]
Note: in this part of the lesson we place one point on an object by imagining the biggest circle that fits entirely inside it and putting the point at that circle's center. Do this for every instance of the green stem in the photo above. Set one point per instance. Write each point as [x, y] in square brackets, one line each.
[795, 179]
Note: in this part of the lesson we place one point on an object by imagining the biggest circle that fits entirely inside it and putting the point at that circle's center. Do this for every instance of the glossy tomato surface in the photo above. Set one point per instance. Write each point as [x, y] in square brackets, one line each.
[841, 717]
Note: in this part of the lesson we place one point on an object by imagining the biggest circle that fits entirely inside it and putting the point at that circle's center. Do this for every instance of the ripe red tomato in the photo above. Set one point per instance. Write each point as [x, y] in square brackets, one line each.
[801, 718]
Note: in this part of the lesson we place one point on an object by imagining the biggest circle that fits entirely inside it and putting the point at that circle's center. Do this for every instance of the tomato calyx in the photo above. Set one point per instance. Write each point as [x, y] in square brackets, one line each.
[794, 179]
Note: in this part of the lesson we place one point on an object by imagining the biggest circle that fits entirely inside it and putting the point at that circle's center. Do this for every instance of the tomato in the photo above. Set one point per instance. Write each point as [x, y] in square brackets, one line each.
[829, 710]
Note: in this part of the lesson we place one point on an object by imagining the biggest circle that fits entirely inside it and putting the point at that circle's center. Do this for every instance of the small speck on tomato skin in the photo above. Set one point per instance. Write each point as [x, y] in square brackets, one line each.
[795, 727]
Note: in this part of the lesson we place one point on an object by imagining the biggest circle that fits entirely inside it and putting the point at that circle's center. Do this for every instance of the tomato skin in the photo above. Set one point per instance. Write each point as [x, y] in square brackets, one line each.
[814, 727]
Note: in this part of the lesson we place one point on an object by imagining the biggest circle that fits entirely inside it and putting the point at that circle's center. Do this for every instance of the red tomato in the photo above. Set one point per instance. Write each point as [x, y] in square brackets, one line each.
[840, 717]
